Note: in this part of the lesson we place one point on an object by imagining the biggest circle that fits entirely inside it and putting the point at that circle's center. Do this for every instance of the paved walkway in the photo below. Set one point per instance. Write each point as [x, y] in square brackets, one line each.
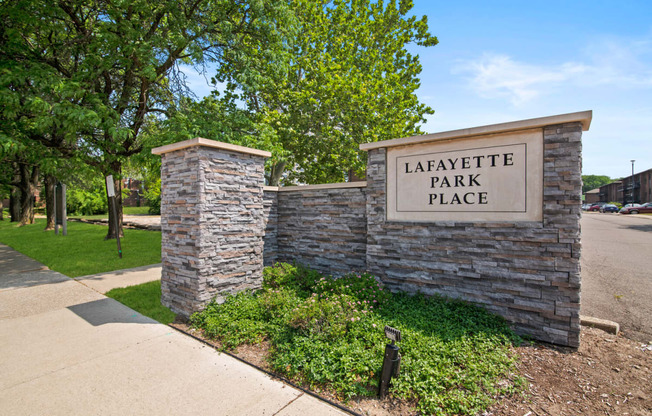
[66, 349]
[145, 222]
[103, 282]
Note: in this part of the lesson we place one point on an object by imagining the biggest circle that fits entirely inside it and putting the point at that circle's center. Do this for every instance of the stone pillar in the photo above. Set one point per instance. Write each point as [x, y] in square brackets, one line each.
[212, 222]
[562, 211]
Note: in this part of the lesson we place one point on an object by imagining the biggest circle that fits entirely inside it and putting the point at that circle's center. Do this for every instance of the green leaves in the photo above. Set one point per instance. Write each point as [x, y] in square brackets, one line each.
[350, 80]
[328, 333]
[590, 182]
[81, 79]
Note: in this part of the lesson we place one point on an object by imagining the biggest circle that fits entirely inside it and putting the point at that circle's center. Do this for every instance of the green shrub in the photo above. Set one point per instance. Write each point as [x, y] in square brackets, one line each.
[291, 276]
[89, 201]
[326, 317]
[328, 332]
[239, 320]
[278, 305]
[362, 286]
[153, 195]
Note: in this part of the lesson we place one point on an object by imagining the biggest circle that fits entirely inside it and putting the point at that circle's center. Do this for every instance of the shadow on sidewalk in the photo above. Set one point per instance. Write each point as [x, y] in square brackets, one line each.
[24, 279]
[109, 311]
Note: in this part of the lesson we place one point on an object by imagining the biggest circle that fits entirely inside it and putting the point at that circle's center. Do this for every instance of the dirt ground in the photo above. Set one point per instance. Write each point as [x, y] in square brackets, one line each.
[607, 375]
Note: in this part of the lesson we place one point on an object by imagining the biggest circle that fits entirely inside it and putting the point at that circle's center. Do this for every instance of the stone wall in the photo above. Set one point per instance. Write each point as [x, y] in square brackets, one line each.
[220, 225]
[528, 272]
[211, 222]
[323, 227]
[270, 219]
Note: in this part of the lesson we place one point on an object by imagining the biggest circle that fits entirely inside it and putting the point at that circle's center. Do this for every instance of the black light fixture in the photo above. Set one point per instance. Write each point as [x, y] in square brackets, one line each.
[391, 362]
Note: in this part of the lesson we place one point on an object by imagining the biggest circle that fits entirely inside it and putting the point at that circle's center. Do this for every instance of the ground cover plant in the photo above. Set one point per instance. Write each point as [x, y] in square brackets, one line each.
[144, 298]
[83, 251]
[328, 333]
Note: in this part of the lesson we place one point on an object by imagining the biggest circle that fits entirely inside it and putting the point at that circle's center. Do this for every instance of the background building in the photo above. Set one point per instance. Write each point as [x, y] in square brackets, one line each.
[634, 188]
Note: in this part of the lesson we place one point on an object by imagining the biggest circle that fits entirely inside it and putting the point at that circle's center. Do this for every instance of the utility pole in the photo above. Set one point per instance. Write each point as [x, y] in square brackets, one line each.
[633, 180]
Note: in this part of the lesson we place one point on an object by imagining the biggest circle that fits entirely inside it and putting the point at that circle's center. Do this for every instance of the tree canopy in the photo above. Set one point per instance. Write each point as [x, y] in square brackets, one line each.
[351, 80]
[101, 81]
[590, 182]
[84, 76]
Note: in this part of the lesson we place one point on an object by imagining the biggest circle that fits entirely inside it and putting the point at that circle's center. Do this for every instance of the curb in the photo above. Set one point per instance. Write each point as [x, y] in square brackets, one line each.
[603, 324]
[269, 373]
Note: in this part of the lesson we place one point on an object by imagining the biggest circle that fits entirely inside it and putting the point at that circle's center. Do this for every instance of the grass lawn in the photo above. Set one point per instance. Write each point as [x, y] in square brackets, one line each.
[146, 299]
[83, 251]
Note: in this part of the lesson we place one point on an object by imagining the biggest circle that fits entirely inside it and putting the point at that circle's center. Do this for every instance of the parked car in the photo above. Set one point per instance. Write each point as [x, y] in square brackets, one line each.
[596, 206]
[609, 208]
[631, 205]
[641, 209]
[585, 207]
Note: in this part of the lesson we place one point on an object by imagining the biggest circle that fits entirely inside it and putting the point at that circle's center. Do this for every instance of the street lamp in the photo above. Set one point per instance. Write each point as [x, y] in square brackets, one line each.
[632, 179]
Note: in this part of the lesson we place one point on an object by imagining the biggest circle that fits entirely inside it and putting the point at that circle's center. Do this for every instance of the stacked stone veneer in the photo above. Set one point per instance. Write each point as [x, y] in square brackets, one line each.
[323, 228]
[220, 224]
[212, 225]
[270, 221]
[528, 272]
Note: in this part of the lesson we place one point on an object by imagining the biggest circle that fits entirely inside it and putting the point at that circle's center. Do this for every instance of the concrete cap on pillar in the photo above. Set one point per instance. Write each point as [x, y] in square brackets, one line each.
[199, 141]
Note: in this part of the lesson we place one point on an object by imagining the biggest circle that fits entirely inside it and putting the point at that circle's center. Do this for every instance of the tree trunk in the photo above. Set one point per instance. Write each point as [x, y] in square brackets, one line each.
[276, 173]
[50, 182]
[2, 208]
[116, 168]
[14, 205]
[353, 177]
[28, 185]
[14, 197]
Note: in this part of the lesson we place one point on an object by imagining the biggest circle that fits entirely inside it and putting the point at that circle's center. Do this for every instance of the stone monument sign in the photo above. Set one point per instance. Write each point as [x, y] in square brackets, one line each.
[493, 178]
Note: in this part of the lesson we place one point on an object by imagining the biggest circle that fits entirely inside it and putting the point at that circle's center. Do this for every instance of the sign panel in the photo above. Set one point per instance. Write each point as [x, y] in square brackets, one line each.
[110, 189]
[490, 178]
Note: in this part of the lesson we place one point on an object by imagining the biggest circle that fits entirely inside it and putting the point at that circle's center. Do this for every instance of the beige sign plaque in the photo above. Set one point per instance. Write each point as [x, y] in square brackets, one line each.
[487, 178]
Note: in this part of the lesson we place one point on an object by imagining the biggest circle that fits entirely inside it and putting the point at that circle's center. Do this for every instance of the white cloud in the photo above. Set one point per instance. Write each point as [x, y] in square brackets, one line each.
[608, 63]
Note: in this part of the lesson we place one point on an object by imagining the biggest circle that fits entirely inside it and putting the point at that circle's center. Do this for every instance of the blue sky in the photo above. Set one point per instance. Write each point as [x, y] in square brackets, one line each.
[500, 61]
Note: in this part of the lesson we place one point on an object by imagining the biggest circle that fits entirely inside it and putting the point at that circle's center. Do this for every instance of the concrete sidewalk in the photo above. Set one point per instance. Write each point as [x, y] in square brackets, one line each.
[66, 349]
[103, 282]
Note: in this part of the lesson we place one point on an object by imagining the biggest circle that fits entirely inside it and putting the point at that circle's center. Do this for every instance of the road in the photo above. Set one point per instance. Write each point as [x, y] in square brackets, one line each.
[617, 271]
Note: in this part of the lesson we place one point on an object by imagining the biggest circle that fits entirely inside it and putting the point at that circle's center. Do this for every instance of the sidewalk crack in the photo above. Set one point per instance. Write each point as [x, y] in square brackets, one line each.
[289, 403]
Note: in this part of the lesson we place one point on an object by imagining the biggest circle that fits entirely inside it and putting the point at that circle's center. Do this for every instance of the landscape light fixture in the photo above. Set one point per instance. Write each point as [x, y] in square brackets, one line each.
[391, 362]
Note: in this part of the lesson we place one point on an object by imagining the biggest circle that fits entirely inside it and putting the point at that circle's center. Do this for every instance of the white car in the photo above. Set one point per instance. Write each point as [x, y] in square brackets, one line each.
[631, 205]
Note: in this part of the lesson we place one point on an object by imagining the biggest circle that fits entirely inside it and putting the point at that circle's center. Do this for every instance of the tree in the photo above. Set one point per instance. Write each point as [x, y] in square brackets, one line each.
[22, 150]
[590, 182]
[20, 174]
[214, 117]
[351, 80]
[102, 67]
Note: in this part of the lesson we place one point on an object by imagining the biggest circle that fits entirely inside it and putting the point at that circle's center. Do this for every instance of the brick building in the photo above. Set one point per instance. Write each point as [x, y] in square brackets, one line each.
[611, 192]
[135, 197]
[636, 188]
[592, 196]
